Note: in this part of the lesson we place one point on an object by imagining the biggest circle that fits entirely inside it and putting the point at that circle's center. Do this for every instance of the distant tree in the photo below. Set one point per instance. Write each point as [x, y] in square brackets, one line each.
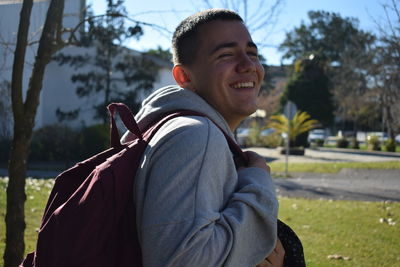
[112, 67]
[268, 83]
[328, 36]
[272, 88]
[351, 90]
[386, 68]
[164, 54]
[345, 51]
[309, 88]
[139, 73]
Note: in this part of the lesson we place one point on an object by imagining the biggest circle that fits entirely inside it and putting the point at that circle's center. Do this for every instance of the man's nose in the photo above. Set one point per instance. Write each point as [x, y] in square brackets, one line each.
[246, 64]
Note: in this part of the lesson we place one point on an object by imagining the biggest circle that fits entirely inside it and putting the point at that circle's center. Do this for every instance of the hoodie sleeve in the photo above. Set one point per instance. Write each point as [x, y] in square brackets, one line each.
[197, 210]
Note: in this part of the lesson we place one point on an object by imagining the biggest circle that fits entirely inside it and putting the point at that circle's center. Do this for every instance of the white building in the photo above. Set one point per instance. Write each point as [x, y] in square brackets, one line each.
[58, 90]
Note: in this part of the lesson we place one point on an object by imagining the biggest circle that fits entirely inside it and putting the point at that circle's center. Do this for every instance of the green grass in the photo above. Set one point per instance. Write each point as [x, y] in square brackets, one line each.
[347, 228]
[37, 192]
[350, 229]
[322, 167]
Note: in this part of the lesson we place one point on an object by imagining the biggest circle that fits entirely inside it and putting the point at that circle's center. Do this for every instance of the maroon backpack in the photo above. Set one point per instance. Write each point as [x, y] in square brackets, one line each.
[89, 219]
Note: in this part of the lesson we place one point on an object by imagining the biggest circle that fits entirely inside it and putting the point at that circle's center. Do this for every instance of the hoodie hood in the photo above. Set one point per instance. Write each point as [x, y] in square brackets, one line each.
[172, 98]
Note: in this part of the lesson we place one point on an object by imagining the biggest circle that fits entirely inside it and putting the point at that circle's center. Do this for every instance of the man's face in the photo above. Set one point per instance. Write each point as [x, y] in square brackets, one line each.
[226, 71]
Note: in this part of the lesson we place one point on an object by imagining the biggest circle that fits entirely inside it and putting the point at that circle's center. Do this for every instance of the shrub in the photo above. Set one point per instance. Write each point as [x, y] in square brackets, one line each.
[5, 145]
[53, 143]
[354, 143]
[342, 143]
[390, 145]
[319, 142]
[253, 139]
[272, 140]
[61, 143]
[374, 143]
[93, 139]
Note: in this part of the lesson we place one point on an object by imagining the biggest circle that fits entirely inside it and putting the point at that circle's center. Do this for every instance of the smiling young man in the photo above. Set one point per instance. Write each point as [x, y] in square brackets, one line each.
[226, 71]
[194, 207]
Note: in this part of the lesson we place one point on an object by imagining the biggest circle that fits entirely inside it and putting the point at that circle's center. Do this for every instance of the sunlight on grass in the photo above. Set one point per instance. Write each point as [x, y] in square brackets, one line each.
[357, 230]
[366, 232]
[37, 193]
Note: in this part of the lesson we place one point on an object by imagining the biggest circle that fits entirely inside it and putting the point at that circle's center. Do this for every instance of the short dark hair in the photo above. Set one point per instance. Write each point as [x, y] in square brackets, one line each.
[185, 40]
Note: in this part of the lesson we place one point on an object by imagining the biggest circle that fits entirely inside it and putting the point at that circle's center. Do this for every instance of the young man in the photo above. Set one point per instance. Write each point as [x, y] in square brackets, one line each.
[194, 207]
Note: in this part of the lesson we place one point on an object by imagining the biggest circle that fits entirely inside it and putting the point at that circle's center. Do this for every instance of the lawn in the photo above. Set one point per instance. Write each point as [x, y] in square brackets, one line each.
[352, 231]
[37, 192]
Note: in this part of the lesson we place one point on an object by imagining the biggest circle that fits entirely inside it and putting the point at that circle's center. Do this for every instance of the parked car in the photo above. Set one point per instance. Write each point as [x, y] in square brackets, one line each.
[267, 132]
[316, 134]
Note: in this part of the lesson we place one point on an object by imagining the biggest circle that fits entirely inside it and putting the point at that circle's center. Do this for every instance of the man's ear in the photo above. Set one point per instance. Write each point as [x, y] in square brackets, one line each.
[182, 77]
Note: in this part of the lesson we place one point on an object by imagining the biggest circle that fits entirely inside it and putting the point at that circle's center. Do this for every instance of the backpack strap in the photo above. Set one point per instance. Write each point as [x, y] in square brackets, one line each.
[128, 120]
[145, 130]
[239, 157]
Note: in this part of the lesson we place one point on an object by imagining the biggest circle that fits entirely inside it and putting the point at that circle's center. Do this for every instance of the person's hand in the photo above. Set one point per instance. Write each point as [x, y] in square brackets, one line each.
[255, 160]
[275, 259]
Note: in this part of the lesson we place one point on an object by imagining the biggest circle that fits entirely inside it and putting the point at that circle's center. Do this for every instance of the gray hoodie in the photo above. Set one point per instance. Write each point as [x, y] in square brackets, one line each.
[193, 207]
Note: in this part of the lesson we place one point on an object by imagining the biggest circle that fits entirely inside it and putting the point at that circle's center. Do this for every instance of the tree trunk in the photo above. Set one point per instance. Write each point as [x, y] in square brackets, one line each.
[24, 120]
[15, 215]
[389, 121]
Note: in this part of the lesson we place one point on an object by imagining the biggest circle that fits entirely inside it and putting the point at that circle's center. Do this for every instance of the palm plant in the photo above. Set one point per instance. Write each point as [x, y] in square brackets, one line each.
[300, 123]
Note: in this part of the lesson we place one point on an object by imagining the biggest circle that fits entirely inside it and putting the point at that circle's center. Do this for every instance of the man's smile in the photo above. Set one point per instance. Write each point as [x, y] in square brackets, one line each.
[243, 85]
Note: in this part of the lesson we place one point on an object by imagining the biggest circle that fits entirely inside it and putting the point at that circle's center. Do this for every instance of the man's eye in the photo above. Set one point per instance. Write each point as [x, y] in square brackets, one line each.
[253, 54]
[225, 55]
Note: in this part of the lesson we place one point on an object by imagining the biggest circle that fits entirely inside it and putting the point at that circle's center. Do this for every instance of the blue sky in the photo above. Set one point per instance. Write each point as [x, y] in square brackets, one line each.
[168, 13]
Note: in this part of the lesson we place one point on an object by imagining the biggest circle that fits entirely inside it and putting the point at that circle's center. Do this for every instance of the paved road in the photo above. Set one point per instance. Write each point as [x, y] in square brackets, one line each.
[348, 184]
[328, 155]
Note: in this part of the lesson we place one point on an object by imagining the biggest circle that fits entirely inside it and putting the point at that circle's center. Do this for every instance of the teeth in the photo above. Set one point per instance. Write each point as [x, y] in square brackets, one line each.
[243, 85]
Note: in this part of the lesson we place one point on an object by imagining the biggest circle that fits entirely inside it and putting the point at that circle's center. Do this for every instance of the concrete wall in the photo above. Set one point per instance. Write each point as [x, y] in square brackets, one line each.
[60, 90]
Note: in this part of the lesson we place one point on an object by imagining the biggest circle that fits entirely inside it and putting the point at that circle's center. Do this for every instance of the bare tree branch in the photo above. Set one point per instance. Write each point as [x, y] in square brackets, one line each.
[260, 20]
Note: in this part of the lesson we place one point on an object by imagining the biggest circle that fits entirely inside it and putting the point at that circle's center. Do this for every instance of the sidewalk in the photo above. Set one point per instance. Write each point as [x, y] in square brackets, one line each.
[348, 184]
[327, 155]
